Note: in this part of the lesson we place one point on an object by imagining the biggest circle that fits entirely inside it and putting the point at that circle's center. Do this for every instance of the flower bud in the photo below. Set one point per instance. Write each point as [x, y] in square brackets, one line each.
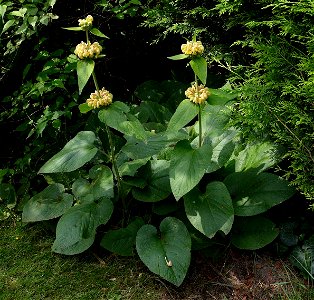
[86, 23]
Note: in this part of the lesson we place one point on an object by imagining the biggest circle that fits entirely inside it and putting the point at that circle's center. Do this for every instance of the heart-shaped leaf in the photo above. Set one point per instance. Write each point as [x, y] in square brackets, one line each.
[253, 193]
[187, 167]
[122, 241]
[167, 253]
[51, 203]
[212, 211]
[76, 229]
[158, 186]
[251, 233]
[101, 185]
[75, 154]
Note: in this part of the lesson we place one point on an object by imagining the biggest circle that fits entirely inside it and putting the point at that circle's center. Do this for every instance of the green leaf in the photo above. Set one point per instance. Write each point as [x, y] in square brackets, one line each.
[122, 241]
[158, 186]
[7, 25]
[51, 203]
[84, 108]
[116, 116]
[3, 9]
[98, 33]
[199, 66]
[74, 155]
[137, 149]
[251, 233]
[185, 113]
[253, 193]
[178, 56]
[76, 229]
[129, 168]
[212, 211]
[221, 96]
[166, 254]
[187, 167]
[73, 28]
[101, 185]
[258, 156]
[85, 69]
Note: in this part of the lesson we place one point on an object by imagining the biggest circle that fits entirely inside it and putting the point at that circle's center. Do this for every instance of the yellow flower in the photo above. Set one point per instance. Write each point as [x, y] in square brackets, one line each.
[197, 94]
[86, 23]
[103, 98]
[192, 48]
[88, 50]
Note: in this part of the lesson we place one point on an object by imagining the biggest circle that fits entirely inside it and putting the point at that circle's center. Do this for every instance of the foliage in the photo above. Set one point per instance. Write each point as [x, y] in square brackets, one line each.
[125, 164]
[36, 114]
[18, 22]
[277, 87]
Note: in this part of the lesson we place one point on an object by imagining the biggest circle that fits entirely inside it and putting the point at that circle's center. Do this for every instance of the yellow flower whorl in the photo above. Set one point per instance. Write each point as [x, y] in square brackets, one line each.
[197, 94]
[88, 50]
[103, 98]
[192, 48]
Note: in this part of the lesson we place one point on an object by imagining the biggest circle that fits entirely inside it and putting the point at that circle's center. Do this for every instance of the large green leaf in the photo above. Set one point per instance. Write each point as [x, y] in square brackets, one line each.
[101, 185]
[122, 241]
[258, 156]
[185, 112]
[221, 96]
[166, 253]
[138, 149]
[212, 211]
[85, 69]
[254, 193]
[75, 154]
[199, 66]
[158, 186]
[116, 116]
[51, 203]
[251, 233]
[187, 167]
[129, 168]
[76, 229]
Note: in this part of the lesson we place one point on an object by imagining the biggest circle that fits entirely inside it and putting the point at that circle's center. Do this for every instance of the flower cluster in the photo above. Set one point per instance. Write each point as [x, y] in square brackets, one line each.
[197, 93]
[192, 48]
[103, 98]
[86, 23]
[88, 50]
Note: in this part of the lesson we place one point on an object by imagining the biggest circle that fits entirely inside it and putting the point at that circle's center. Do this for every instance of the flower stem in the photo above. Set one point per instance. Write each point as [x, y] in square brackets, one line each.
[200, 133]
[95, 82]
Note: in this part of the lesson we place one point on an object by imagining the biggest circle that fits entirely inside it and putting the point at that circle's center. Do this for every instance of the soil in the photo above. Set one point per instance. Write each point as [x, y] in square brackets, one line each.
[241, 276]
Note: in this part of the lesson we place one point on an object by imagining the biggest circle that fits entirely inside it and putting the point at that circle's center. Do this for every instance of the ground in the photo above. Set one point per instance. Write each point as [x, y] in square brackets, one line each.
[29, 270]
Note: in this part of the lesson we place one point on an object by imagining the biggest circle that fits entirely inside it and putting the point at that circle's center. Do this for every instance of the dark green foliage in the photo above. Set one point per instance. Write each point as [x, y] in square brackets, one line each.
[277, 87]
